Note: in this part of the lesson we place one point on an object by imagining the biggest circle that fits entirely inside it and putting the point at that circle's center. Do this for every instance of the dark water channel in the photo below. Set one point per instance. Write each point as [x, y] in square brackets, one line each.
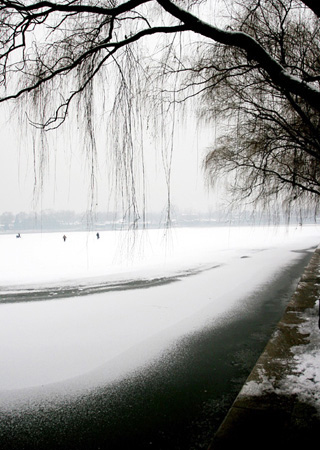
[175, 404]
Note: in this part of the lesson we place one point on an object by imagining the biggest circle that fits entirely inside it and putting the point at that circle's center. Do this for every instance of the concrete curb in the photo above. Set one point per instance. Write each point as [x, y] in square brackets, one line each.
[269, 417]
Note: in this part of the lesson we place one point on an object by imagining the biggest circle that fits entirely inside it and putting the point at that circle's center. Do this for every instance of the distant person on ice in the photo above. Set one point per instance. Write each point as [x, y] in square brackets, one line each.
[64, 237]
[98, 235]
[18, 235]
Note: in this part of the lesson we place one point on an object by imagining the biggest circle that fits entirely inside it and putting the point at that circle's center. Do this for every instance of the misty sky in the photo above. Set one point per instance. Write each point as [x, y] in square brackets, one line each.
[67, 185]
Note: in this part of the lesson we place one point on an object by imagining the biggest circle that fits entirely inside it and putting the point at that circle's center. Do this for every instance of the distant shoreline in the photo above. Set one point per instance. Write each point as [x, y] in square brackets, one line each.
[55, 221]
[128, 226]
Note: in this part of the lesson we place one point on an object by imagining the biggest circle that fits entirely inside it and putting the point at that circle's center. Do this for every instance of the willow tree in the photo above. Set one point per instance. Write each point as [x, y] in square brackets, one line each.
[271, 150]
[53, 53]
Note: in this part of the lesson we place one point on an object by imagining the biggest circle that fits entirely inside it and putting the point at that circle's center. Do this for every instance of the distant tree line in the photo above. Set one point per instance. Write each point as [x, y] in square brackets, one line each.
[72, 221]
[48, 220]
[66, 220]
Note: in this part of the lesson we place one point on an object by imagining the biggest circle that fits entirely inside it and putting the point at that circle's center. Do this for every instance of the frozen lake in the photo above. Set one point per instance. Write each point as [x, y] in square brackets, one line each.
[84, 314]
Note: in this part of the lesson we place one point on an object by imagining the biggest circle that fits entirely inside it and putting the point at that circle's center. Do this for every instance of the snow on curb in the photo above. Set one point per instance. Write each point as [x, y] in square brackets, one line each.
[302, 369]
[305, 380]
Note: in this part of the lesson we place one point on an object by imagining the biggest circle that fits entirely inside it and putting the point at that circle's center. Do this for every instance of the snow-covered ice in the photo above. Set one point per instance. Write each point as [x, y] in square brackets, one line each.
[199, 276]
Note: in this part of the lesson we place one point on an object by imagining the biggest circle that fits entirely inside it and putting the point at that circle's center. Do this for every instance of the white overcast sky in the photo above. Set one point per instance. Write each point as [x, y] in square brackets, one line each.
[66, 184]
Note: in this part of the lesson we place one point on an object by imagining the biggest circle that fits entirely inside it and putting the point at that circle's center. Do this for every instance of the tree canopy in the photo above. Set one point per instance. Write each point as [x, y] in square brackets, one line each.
[257, 70]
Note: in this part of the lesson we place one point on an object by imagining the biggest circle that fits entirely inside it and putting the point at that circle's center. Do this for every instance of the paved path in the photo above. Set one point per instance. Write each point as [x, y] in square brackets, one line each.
[268, 418]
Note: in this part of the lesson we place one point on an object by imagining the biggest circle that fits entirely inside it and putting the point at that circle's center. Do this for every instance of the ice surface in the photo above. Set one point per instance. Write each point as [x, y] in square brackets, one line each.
[45, 342]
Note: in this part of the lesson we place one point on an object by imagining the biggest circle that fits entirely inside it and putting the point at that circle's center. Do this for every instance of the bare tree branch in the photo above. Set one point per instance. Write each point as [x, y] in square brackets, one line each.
[259, 73]
[254, 51]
